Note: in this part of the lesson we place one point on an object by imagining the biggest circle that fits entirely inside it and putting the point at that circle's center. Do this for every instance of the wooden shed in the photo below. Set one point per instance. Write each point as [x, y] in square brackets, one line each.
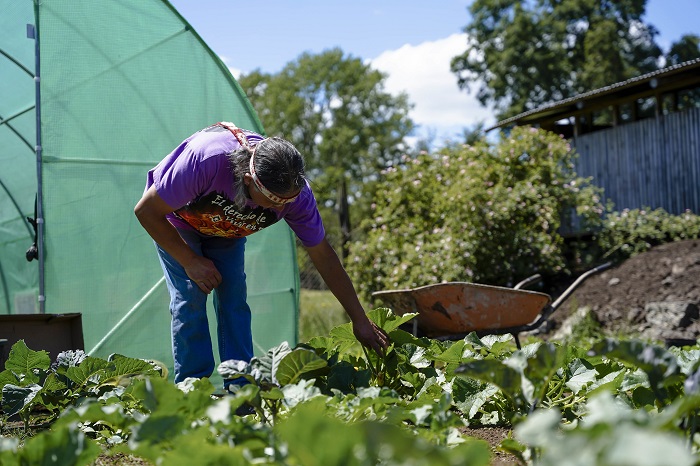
[638, 139]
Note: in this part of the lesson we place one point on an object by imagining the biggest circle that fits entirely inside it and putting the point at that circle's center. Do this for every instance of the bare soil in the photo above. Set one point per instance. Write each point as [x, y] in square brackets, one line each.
[494, 436]
[621, 298]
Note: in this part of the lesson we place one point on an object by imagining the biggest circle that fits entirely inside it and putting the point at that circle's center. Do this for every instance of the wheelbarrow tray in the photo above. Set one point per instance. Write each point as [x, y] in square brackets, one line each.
[459, 308]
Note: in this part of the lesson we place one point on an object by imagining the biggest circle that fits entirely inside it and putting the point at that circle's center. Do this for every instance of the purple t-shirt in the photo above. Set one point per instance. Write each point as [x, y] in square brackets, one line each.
[197, 181]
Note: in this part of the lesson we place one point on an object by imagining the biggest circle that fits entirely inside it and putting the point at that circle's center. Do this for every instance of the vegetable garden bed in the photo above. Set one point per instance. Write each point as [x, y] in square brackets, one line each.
[329, 402]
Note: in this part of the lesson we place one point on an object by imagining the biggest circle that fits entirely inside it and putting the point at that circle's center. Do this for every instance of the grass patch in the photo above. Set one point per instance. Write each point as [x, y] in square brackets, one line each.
[319, 312]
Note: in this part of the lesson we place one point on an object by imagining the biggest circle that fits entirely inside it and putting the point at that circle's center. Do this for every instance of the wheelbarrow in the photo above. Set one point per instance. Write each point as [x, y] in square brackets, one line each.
[450, 311]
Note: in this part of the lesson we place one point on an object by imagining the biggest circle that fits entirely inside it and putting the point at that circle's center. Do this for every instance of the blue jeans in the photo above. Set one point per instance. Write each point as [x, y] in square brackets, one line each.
[191, 340]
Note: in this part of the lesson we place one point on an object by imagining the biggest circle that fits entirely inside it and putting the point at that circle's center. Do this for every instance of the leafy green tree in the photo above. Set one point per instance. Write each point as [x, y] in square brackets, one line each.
[685, 49]
[527, 53]
[334, 108]
[484, 213]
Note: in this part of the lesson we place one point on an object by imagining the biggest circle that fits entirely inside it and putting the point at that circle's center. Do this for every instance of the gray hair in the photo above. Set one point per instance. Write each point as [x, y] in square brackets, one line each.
[278, 165]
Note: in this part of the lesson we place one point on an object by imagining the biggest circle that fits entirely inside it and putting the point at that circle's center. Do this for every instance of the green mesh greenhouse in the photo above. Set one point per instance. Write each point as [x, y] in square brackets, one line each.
[92, 95]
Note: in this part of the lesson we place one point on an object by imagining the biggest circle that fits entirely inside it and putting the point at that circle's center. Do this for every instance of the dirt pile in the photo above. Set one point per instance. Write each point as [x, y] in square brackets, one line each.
[655, 294]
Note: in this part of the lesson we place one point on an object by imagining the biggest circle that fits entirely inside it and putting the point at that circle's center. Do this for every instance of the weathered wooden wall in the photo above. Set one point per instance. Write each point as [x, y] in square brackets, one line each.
[650, 163]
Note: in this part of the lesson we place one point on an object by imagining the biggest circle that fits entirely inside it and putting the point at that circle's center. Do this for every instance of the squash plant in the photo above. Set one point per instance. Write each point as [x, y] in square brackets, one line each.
[329, 402]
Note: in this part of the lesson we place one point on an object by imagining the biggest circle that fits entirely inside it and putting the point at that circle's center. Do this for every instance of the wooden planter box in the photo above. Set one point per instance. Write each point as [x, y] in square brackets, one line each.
[49, 332]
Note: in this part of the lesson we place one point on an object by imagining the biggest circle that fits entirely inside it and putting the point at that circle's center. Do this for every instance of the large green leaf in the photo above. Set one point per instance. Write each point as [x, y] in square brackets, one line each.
[611, 433]
[233, 369]
[157, 429]
[270, 361]
[23, 361]
[124, 366]
[90, 371]
[387, 320]
[345, 377]
[343, 339]
[610, 382]
[582, 374]
[659, 365]
[69, 358]
[17, 399]
[316, 439]
[492, 371]
[7, 376]
[548, 358]
[296, 364]
[498, 345]
[401, 337]
[300, 392]
[470, 395]
[688, 360]
[207, 452]
[53, 393]
[92, 411]
[642, 447]
[162, 398]
[541, 366]
[67, 445]
[455, 353]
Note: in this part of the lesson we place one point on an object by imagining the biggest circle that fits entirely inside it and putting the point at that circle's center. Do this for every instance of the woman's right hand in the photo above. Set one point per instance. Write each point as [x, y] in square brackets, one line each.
[204, 273]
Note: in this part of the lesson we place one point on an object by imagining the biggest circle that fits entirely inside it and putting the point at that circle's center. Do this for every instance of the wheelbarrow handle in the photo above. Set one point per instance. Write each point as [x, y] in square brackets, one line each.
[527, 281]
[577, 283]
[549, 310]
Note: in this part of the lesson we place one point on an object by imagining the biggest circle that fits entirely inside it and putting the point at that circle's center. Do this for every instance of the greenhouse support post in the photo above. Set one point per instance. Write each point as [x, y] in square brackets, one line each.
[32, 33]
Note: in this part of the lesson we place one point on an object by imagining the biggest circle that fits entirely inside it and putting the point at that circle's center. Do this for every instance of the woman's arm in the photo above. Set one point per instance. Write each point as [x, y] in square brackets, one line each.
[151, 211]
[333, 273]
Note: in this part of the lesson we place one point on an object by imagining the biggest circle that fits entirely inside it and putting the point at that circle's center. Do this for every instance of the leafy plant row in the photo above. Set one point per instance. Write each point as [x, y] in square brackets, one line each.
[329, 402]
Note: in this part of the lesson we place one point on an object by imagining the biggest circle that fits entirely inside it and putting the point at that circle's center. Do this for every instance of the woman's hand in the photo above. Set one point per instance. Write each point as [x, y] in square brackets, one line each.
[329, 266]
[204, 273]
[151, 211]
[371, 336]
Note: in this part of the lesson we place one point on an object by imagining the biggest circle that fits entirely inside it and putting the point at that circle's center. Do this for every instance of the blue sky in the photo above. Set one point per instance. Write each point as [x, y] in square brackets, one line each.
[410, 40]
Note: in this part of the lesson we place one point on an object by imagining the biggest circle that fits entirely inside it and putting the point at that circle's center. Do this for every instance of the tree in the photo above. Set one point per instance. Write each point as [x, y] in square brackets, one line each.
[687, 48]
[524, 54]
[335, 110]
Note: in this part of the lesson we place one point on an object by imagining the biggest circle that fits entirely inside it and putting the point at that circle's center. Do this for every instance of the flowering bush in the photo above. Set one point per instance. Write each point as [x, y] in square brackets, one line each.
[484, 213]
[631, 232]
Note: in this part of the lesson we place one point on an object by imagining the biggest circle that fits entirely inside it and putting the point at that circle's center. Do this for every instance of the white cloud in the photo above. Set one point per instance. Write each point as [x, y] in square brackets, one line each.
[423, 72]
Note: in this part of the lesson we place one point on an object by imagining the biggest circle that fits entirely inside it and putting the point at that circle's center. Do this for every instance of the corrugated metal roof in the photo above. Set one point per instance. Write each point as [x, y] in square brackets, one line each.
[550, 108]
